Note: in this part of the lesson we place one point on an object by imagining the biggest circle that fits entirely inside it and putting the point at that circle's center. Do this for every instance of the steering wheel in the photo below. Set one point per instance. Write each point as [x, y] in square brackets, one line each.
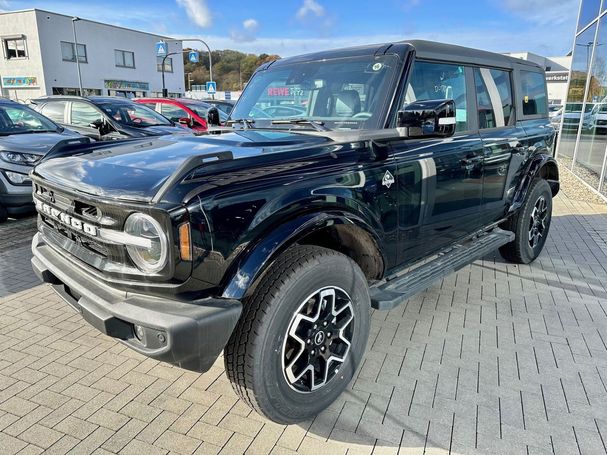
[363, 115]
[136, 120]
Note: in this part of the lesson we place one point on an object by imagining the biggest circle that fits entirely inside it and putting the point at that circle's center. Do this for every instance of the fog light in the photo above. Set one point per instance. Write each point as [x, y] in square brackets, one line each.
[139, 332]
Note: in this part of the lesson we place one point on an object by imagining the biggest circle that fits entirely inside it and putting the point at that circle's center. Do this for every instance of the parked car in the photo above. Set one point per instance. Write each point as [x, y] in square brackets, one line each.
[554, 109]
[225, 106]
[188, 112]
[598, 119]
[106, 118]
[273, 240]
[25, 137]
[573, 115]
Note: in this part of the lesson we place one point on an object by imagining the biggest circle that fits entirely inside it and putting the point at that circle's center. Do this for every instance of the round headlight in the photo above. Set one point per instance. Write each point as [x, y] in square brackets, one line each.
[152, 257]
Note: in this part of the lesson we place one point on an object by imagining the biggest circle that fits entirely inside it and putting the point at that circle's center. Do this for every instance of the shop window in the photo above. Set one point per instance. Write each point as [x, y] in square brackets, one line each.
[533, 90]
[68, 54]
[14, 47]
[493, 98]
[124, 59]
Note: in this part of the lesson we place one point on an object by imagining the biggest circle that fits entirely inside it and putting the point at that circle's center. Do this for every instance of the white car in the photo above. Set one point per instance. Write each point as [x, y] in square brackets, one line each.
[598, 118]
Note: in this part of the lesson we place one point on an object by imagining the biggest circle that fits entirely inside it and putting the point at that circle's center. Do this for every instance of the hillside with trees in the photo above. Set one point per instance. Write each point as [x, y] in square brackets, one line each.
[231, 69]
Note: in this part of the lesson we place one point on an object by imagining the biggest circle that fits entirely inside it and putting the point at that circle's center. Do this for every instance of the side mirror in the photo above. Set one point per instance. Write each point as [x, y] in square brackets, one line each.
[186, 121]
[428, 118]
[213, 117]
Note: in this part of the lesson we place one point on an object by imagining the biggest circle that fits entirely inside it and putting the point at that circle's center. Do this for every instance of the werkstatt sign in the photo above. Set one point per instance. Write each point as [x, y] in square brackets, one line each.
[19, 82]
[557, 76]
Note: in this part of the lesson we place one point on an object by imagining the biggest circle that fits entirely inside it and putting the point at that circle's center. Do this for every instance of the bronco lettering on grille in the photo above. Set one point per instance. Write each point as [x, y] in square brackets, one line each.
[66, 219]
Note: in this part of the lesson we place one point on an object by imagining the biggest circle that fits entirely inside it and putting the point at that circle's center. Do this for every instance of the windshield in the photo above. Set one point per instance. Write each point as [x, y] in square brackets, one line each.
[19, 119]
[201, 109]
[132, 114]
[577, 107]
[345, 93]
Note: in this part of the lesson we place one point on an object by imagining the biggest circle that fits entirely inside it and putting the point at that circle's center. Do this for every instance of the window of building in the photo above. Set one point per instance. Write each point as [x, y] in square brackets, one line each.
[68, 55]
[434, 81]
[589, 11]
[14, 47]
[533, 90]
[168, 64]
[83, 114]
[493, 98]
[173, 112]
[54, 110]
[75, 91]
[124, 59]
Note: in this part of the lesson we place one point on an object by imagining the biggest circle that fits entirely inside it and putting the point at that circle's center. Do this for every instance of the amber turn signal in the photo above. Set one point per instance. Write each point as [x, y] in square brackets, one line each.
[185, 244]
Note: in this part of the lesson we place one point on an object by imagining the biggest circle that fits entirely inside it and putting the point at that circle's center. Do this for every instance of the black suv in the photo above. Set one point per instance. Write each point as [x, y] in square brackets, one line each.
[106, 118]
[273, 240]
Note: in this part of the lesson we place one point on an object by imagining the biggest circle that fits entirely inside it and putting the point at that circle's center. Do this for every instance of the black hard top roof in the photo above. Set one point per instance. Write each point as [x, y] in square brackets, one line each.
[429, 50]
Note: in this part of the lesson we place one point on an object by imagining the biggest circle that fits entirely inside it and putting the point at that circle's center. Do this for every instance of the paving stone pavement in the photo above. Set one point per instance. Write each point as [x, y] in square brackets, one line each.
[496, 359]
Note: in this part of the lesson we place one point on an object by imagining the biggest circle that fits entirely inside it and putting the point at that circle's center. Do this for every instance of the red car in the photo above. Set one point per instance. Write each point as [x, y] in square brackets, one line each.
[192, 113]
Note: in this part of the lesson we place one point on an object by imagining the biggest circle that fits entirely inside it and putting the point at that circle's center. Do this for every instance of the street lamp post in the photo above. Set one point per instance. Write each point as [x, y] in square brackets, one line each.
[74, 20]
[208, 51]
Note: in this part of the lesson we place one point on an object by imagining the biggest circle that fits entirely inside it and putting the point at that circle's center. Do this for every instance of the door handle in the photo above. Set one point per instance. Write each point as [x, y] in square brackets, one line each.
[470, 163]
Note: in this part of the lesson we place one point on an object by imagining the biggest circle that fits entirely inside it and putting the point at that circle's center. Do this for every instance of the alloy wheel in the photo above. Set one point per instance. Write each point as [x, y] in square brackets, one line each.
[537, 222]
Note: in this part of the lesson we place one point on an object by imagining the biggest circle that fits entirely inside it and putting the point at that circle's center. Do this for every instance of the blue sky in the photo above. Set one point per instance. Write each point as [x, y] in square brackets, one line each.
[296, 26]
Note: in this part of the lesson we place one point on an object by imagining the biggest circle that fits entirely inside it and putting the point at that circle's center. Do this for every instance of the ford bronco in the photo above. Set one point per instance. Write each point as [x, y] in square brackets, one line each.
[348, 180]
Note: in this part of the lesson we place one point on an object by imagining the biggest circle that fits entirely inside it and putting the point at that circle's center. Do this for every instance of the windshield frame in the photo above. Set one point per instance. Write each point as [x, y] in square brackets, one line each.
[44, 121]
[119, 105]
[386, 94]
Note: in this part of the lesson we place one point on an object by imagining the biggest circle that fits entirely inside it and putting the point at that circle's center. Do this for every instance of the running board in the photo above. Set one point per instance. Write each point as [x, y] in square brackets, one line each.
[388, 294]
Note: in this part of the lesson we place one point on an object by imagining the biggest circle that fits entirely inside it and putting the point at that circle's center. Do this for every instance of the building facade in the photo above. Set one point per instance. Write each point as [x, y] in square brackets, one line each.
[39, 58]
[583, 125]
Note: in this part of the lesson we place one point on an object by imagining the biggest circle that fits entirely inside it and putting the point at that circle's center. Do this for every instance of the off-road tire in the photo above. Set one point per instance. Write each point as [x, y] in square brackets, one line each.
[254, 354]
[3, 214]
[520, 251]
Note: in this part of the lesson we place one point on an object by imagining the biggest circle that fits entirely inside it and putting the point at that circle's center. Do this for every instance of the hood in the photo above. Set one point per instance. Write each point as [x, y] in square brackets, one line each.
[136, 169]
[35, 143]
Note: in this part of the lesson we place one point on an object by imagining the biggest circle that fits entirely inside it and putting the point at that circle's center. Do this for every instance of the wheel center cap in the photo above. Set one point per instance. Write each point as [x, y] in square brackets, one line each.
[319, 338]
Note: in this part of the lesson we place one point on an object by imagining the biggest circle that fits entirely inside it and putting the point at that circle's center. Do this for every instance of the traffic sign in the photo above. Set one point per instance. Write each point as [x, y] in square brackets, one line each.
[193, 56]
[228, 95]
[211, 87]
[162, 48]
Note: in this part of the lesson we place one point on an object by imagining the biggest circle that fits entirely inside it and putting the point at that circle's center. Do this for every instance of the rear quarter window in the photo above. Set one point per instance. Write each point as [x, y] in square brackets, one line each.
[533, 92]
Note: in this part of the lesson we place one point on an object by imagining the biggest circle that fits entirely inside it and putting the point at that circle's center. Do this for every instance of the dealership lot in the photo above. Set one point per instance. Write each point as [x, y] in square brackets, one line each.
[498, 358]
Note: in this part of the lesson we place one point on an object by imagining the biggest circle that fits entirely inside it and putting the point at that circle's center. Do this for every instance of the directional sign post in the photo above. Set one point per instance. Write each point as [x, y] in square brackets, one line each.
[211, 87]
[193, 57]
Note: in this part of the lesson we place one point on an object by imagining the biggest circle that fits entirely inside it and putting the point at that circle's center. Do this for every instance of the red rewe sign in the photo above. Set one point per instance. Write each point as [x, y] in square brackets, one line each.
[279, 91]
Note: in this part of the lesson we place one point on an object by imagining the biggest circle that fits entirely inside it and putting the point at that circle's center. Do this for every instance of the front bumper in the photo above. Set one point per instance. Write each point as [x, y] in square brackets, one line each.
[16, 198]
[190, 335]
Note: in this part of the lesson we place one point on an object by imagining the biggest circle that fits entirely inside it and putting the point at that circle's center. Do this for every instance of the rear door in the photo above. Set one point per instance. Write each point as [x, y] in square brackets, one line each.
[501, 136]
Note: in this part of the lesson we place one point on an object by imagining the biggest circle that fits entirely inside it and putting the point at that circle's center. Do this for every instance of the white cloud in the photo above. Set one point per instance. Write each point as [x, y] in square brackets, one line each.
[198, 11]
[310, 7]
[250, 25]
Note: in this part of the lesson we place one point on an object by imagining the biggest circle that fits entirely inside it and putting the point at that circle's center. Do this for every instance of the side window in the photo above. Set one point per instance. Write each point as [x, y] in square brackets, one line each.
[150, 105]
[533, 90]
[55, 111]
[434, 81]
[173, 112]
[493, 98]
[84, 114]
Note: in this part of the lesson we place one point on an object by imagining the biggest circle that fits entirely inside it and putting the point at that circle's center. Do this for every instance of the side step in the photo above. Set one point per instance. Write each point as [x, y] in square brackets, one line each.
[388, 294]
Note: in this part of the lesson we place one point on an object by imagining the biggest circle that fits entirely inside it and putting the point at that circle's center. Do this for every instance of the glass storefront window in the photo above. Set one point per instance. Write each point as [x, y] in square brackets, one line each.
[588, 12]
[588, 159]
[573, 115]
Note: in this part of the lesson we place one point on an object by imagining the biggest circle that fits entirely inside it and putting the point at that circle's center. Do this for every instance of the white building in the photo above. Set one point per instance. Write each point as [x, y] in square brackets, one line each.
[557, 73]
[38, 58]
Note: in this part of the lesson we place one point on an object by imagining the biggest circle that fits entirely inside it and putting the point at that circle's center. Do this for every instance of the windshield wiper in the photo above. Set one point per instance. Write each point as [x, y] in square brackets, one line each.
[316, 124]
[245, 122]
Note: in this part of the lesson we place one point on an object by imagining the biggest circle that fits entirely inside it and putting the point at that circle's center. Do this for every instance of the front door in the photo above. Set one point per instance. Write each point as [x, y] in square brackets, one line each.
[439, 180]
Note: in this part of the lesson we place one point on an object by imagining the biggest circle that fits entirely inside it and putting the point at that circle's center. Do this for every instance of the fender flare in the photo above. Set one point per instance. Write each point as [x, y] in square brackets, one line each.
[532, 170]
[254, 261]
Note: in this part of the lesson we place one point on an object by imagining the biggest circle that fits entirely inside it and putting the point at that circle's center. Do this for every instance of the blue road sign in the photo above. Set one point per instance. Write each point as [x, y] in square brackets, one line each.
[228, 95]
[211, 87]
[193, 56]
[162, 48]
